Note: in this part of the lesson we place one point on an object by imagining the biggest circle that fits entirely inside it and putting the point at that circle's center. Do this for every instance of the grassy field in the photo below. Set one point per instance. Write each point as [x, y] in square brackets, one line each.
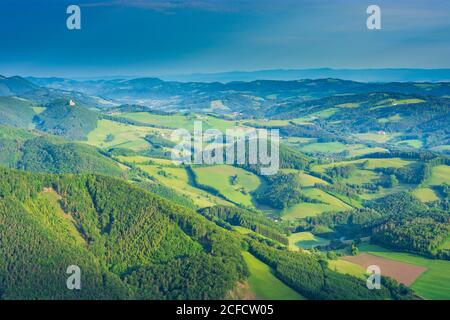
[269, 123]
[347, 267]
[351, 105]
[407, 101]
[413, 143]
[264, 284]
[384, 192]
[375, 137]
[393, 118]
[318, 194]
[305, 240]
[145, 160]
[360, 150]
[425, 194]
[302, 121]
[305, 179]
[299, 140]
[395, 102]
[242, 230]
[371, 163]
[177, 121]
[305, 209]
[178, 179]
[109, 134]
[361, 176]
[367, 163]
[323, 114]
[38, 110]
[358, 176]
[434, 283]
[446, 244]
[353, 150]
[440, 175]
[219, 177]
[326, 147]
[441, 148]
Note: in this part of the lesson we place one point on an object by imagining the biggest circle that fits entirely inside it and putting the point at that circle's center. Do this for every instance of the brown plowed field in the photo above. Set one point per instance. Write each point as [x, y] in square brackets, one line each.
[403, 272]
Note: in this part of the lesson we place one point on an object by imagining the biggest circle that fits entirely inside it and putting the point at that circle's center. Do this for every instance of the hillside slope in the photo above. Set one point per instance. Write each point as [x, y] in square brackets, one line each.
[16, 112]
[73, 122]
[127, 242]
[31, 151]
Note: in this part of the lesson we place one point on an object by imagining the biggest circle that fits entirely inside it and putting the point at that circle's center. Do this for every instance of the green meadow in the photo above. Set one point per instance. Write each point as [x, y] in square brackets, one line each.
[233, 183]
[268, 123]
[264, 284]
[178, 121]
[305, 240]
[371, 163]
[439, 175]
[346, 267]
[446, 244]
[178, 179]
[306, 209]
[413, 143]
[146, 160]
[425, 194]
[327, 147]
[111, 134]
[375, 137]
[305, 179]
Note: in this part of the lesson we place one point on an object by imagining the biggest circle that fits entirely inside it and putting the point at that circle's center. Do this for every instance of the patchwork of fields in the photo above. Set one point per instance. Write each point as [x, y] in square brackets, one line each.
[433, 283]
[429, 278]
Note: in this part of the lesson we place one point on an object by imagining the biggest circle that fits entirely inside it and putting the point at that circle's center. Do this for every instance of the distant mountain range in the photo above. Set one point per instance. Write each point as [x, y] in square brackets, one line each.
[186, 96]
[363, 75]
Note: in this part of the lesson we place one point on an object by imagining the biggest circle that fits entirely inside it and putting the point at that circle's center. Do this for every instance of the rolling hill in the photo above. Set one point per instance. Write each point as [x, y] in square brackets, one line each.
[127, 242]
[16, 112]
[35, 152]
[74, 122]
[11, 86]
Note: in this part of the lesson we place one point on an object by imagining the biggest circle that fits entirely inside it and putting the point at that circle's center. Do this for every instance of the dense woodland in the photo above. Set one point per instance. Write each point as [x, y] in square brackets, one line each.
[231, 216]
[122, 237]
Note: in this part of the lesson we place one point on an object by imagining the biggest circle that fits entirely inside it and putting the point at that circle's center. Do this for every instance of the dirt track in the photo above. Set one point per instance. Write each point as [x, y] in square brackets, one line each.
[403, 272]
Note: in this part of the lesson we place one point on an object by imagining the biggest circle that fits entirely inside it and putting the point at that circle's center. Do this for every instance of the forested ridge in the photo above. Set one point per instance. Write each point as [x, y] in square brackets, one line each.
[36, 152]
[126, 241]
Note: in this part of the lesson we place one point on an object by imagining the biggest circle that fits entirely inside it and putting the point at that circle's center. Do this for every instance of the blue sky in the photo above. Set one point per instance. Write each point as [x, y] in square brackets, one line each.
[146, 37]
